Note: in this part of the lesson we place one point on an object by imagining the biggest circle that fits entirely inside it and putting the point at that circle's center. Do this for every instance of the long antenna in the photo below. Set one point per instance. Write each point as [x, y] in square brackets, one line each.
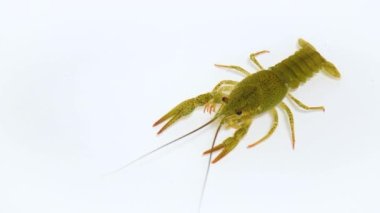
[161, 147]
[208, 168]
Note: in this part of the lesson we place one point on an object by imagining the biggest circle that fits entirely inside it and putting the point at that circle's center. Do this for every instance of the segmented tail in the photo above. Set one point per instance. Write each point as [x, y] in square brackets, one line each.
[302, 65]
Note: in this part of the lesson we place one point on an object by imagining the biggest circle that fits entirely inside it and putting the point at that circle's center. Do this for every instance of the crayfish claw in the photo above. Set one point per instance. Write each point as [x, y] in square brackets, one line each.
[184, 108]
[215, 148]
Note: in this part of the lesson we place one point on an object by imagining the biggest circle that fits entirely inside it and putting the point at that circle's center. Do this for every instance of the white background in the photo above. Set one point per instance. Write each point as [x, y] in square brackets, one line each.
[82, 81]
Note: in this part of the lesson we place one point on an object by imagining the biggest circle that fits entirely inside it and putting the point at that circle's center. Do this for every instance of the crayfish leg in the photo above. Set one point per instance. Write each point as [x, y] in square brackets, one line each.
[271, 130]
[291, 121]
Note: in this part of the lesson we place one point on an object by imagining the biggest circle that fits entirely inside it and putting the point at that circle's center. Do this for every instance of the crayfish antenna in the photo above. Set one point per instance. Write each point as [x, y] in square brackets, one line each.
[208, 167]
[161, 147]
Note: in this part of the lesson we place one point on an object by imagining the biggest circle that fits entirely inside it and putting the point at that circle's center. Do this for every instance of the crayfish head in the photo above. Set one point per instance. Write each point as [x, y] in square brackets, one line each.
[241, 101]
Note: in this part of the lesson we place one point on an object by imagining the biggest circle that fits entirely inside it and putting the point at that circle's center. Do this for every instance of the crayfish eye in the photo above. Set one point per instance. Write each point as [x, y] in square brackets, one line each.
[225, 99]
[238, 112]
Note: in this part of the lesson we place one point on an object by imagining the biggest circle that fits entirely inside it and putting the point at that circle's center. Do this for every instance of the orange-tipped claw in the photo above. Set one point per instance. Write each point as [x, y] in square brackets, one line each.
[216, 148]
[182, 109]
[222, 154]
[228, 145]
[164, 118]
[169, 123]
